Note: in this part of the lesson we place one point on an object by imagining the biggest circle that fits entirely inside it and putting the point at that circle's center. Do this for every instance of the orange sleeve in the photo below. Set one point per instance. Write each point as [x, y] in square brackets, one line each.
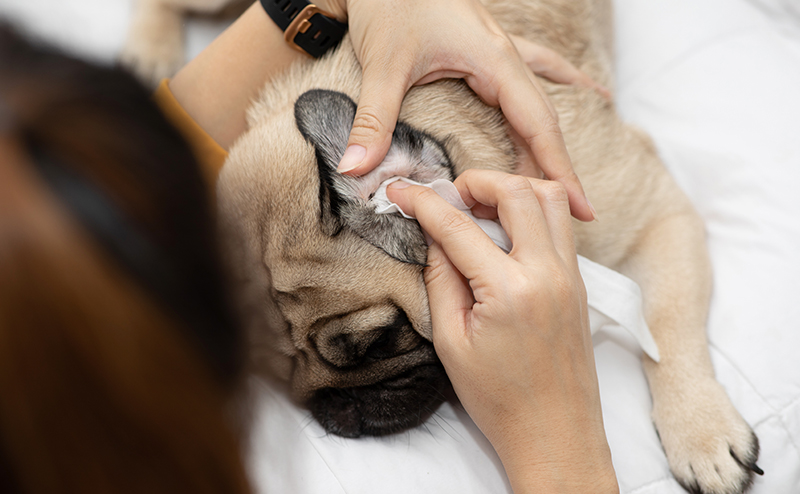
[210, 155]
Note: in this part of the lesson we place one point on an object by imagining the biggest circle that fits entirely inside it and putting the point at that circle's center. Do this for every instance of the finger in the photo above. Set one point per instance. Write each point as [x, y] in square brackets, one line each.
[542, 94]
[517, 206]
[539, 130]
[526, 164]
[450, 299]
[484, 212]
[470, 250]
[382, 92]
[547, 63]
[553, 199]
[512, 90]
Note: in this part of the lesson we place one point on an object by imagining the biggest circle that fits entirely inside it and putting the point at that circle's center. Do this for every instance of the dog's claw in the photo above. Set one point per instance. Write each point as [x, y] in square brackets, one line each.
[756, 469]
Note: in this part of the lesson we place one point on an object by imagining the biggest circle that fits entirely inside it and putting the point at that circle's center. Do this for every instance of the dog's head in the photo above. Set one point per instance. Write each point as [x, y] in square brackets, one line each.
[332, 291]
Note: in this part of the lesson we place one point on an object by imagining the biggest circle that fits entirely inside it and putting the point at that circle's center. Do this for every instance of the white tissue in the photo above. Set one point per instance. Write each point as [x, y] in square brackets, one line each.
[449, 193]
[613, 298]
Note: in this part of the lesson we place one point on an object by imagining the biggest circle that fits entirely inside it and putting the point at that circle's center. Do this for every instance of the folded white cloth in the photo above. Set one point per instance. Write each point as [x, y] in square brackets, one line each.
[612, 297]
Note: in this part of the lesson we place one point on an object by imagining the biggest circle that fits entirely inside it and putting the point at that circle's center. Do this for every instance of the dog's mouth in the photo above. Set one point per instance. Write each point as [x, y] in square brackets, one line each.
[387, 407]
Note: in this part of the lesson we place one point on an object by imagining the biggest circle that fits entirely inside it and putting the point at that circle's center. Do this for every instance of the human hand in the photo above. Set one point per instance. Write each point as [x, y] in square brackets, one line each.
[402, 44]
[512, 330]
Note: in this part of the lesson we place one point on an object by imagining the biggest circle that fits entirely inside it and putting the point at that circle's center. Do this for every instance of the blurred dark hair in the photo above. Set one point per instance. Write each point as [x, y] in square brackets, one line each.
[118, 349]
[95, 130]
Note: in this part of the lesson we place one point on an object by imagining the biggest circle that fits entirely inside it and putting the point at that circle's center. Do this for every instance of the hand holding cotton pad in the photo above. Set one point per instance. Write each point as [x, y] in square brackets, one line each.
[609, 293]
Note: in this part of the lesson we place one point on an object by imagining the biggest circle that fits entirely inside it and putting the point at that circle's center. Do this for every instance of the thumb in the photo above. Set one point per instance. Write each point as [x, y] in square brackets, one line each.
[382, 94]
[450, 299]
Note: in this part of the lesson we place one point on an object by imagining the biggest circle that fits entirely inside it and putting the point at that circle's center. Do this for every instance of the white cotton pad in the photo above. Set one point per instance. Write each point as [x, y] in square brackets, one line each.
[449, 193]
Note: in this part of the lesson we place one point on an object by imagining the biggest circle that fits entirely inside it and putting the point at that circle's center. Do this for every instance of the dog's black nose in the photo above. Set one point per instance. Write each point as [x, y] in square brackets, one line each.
[388, 407]
[348, 349]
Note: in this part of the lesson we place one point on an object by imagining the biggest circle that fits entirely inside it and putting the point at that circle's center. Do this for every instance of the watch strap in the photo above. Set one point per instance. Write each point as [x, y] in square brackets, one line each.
[305, 26]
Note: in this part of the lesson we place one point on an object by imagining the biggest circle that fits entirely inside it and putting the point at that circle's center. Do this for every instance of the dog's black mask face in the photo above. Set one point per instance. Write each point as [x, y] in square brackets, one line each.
[383, 375]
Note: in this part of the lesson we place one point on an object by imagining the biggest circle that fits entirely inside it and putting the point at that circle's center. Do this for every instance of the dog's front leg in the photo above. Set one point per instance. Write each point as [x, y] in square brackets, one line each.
[154, 47]
[710, 448]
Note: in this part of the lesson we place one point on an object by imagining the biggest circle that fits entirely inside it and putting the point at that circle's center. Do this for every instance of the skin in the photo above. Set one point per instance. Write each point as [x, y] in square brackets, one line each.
[399, 44]
[522, 370]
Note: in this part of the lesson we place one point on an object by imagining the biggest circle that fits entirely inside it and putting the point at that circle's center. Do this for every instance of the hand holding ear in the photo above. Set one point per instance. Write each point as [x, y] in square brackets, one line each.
[402, 44]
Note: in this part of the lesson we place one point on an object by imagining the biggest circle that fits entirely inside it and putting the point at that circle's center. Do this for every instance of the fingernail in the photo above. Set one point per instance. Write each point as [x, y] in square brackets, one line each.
[428, 238]
[591, 208]
[398, 185]
[353, 156]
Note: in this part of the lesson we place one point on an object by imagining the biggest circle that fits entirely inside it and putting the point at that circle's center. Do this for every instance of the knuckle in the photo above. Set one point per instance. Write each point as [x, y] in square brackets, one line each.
[552, 285]
[502, 49]
[554, 192]
[454, 221]
[515, 187]
[368, 123]
[500, 44]
[424, 199]
[549, 127]
[469, 174]
[425, 194]
[506, 47]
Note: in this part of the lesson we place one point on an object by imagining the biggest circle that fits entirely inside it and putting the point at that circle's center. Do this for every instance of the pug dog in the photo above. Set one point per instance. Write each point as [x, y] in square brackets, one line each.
[332, 294]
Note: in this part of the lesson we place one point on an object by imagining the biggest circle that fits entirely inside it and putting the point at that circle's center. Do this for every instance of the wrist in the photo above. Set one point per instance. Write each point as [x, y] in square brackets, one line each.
[554, 456]
[591, 472]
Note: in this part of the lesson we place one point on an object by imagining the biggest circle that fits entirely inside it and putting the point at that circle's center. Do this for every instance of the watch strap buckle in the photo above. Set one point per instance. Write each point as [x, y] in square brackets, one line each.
[314, 31]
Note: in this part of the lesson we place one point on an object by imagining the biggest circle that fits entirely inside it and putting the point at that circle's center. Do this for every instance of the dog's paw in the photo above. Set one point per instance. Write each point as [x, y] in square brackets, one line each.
[710, 448]
[154, 48]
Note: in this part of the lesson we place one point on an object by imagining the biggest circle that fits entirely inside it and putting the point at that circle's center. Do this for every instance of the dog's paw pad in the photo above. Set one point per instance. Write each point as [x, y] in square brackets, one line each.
[710, 448]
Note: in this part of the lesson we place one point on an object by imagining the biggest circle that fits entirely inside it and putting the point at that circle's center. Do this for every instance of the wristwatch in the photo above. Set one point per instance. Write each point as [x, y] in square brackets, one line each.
[305, 26]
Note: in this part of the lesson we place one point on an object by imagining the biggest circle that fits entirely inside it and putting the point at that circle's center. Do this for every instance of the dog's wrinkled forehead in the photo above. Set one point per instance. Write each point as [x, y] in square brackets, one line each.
[325, 119]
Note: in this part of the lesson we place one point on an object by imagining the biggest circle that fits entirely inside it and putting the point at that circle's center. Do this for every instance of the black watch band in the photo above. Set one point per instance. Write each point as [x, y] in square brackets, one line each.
[305, 26]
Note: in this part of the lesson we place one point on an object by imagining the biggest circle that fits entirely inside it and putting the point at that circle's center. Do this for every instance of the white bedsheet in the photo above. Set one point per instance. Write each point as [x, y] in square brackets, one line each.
[717, 84]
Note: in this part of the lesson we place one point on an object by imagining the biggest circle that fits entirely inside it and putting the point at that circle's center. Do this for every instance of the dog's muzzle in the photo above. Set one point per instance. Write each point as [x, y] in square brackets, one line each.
[388, 407]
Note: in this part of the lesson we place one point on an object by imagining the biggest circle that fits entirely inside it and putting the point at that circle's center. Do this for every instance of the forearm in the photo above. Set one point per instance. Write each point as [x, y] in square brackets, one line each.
[570, 458]
[552, 440]
[217, 87]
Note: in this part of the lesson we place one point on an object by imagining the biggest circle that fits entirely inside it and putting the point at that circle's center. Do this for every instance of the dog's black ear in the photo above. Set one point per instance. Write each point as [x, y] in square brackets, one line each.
[325, 119]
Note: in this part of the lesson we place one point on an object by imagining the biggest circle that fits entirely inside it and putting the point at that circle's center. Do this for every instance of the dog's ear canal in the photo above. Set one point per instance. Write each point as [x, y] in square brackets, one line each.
[325, 118]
